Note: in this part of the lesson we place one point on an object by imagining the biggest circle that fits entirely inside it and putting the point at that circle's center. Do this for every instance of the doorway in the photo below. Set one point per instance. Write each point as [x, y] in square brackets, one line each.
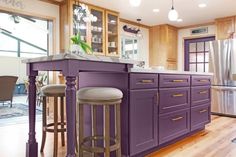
[197, 54]
[22, 37]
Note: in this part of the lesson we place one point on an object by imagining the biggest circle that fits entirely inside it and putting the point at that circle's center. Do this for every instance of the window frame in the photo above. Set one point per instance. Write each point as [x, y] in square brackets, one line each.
[123, 38]
[187, 42]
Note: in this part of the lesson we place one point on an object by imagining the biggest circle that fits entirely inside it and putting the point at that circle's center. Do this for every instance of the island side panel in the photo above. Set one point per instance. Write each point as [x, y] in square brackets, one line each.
[116, 80]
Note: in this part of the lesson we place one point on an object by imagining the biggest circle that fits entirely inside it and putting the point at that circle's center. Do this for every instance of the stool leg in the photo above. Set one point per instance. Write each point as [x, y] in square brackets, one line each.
[62, 122]
[44, 124]
[81, 128]
[94, 126]
[55, 126]
[106, 130]
[118, 129]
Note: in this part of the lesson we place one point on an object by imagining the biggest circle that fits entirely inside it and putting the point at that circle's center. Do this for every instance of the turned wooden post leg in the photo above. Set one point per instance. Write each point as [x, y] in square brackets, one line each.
[107, 130]
[44, 124]
[32, 145]
[81, 128]
[55, 126]
[70, 114]
[62, 122]
[118, 129]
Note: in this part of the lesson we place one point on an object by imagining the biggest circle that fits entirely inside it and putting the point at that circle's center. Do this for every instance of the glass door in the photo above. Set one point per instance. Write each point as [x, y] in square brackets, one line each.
[112, 35]
[79, 25]
[197, 54]
[97, 31]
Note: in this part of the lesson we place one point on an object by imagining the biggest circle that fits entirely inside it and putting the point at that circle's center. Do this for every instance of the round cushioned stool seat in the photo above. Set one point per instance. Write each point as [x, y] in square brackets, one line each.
[55, 89]
[97, 94]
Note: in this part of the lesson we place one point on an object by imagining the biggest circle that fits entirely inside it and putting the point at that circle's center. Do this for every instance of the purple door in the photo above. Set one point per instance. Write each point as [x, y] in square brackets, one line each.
[143, 120]
[197, 54]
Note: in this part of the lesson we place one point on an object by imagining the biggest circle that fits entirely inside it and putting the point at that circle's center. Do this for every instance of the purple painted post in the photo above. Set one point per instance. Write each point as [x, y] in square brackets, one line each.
[32, 145]
[70, 114]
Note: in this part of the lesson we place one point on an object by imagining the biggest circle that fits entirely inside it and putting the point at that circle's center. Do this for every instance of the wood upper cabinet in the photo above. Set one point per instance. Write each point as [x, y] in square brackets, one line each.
[112, 34]
[225, 27]
[163, 46]
[102, 35]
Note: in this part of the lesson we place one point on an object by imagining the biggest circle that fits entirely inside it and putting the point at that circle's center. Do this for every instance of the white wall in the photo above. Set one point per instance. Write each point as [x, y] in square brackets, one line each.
[186, 34]
[11, 65]
[143, 42]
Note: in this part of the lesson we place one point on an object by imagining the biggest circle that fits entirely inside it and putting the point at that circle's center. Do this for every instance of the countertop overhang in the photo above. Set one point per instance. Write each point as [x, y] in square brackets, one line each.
[63, 56]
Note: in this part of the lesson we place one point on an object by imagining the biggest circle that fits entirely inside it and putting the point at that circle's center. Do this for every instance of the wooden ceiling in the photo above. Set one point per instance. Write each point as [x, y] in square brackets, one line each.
[57, 2]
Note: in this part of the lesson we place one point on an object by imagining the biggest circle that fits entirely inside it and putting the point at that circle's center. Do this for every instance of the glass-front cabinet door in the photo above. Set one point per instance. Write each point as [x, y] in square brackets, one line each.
[112, 35]
[97, 31]
[79, 24]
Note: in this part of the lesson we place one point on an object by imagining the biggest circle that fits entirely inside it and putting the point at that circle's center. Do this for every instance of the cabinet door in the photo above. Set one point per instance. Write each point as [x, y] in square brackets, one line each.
[225, 27]
[143, 120]
[112, 34]
[97, 36]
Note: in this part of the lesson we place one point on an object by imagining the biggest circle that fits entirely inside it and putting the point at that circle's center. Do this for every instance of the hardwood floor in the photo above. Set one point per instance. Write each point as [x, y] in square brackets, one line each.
[214, 141]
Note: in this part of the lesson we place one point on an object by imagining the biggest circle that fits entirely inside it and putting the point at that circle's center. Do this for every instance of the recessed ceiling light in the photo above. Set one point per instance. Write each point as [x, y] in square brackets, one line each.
[180, 20]
[202, 5]
[156, 10]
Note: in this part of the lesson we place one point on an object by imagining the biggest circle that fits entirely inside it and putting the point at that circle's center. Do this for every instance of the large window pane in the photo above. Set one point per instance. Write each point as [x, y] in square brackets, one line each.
[192, 57]
[200, 67]
[7, 43]
[192, 67]
[192, 47]
[28, 48]
[8, 54]
[200, 46]
[206, 57]
[200, 57]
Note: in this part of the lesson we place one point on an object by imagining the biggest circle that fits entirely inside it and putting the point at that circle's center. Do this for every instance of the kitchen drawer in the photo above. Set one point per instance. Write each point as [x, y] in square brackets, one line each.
[142, 81]
[174, 125]
[200, 80]
[200, 95]
[174, 81]
[200, 116]
[172, 99]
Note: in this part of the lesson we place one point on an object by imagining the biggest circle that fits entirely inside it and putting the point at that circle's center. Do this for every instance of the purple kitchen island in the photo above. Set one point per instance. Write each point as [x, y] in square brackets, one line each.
[158, 108]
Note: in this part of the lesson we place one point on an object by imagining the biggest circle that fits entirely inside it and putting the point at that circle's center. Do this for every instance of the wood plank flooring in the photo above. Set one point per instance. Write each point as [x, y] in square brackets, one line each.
[214, 141]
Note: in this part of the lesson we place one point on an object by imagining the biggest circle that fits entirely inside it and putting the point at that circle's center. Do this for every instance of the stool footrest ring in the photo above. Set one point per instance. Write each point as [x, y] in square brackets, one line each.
[96, 149]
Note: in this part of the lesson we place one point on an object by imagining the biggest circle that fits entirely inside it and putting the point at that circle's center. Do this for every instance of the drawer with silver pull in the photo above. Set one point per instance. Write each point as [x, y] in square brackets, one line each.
[173, 125]
[200, 116]
[200, 80]
[142, 81]
[200, 95]
[171, 81]
[172, 99]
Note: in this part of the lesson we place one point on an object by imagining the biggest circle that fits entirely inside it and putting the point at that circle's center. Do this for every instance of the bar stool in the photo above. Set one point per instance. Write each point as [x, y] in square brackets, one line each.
[105, 97]
[55, 91]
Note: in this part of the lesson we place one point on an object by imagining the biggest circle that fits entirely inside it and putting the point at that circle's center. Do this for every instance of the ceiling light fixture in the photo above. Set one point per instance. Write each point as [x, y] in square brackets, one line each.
[135, 3]
[156, 10]
[202, 5]
[173, 14]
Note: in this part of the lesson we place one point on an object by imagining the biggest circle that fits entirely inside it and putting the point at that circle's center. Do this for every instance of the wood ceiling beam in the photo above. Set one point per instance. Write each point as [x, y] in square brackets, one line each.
[53, 2]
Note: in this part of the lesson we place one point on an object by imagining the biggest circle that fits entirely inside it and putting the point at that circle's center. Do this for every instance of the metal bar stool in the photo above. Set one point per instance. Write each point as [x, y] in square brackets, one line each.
[55, 91]
[106, 97]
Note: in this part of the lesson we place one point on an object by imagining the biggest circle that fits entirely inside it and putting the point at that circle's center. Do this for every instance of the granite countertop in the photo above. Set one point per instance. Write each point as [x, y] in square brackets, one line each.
[63, 56]
[149, 70]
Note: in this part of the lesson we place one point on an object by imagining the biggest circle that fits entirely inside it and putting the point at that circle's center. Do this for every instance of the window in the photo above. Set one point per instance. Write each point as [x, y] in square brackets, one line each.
[22, 36]
[129, 48]
[197, 54]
